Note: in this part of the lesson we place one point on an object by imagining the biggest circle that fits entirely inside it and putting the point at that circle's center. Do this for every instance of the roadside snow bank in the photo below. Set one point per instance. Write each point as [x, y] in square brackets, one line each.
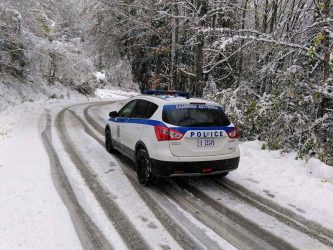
[114, 94]
[305, 188]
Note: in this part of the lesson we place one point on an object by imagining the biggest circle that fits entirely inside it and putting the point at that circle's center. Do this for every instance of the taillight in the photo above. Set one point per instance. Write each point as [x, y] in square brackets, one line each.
[234, 133]
[166, 134]
[162, 133]
[175, 135]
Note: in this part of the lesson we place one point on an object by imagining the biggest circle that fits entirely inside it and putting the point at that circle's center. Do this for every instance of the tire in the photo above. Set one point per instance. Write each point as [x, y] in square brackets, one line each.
[108, 141]
[144, 175]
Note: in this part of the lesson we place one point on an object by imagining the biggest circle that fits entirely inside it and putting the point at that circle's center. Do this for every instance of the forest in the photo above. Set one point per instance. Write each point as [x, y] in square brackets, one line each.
[268, 62]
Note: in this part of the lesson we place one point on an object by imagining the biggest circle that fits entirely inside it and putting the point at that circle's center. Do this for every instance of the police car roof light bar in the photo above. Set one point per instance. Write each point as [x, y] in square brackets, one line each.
[167, 92]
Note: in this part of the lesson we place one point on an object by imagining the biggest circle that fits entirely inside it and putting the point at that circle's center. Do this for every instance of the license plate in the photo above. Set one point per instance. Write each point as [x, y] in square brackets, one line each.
[206, 143]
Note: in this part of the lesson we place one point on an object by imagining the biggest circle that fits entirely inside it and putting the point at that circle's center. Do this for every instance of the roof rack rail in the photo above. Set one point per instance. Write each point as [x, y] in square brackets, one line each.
[166, 92]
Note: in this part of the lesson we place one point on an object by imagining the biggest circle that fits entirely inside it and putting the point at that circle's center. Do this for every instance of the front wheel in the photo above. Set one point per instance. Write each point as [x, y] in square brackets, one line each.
[108, 141]
[143, 170]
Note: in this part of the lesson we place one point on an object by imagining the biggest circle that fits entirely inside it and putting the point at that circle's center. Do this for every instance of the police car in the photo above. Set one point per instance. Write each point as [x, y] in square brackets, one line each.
[169, 134]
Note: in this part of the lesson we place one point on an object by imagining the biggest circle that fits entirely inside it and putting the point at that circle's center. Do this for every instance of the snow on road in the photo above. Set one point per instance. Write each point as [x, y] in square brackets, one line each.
[84, 195]
[116, 182]
[33, 216]
[306, 188]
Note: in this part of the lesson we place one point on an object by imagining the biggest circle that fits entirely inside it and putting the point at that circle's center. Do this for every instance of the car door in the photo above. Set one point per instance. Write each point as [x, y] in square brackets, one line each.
[119, 126]
[142, 111]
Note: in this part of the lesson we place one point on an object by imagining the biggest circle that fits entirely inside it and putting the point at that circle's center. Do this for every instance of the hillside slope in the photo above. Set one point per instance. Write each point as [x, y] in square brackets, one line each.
[47, 51]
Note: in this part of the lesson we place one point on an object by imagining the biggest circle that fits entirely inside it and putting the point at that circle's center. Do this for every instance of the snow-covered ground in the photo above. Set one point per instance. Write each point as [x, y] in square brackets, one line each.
[33, 216]
[114, 94]
[306, 188]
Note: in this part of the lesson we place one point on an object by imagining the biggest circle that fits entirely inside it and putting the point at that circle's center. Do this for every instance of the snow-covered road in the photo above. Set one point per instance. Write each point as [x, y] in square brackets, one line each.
[82, 197]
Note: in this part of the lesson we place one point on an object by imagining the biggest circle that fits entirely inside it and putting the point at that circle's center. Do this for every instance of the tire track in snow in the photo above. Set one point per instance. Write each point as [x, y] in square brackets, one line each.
[285, 216]
[147, 209]
[129, 234]
[220, 222]
[247, 225]
[89, 234]
[92, 121]
[213, 219]
[266, 226]
[176, 232]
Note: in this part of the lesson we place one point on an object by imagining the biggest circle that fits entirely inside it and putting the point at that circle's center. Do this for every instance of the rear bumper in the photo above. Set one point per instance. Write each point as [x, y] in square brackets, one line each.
[166, 168]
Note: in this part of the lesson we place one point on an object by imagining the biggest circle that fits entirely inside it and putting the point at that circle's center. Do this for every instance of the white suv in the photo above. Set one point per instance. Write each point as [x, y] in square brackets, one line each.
[173, 135]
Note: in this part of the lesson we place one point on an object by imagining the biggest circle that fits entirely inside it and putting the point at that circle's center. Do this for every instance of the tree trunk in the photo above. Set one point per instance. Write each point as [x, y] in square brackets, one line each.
[198, 89]
[199, 65]
[240, 64]
[274, 16]
[327, 43]
[265, 17]
[174, 56]
[323, 14]
[256, 15]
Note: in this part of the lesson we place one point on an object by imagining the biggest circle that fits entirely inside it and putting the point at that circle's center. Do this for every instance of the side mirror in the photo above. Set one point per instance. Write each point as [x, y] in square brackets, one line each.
[113, 114]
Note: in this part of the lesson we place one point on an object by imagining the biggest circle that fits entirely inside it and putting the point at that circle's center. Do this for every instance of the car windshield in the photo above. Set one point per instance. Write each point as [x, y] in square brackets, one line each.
[195, 115]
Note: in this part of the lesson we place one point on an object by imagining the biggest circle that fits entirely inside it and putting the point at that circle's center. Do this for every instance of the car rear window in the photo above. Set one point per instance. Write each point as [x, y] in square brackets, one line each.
[195, 115]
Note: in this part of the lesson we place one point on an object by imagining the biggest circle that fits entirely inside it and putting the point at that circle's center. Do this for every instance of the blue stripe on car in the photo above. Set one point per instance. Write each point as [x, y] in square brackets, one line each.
[137, 121]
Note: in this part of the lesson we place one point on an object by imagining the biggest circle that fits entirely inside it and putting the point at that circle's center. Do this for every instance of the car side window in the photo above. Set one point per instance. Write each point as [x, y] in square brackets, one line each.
[127, 109]
[152, 108]
[144, 109]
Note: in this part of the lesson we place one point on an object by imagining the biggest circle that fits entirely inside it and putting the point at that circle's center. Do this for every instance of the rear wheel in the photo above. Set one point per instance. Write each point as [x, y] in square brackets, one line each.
[108, 141]
[143, 168]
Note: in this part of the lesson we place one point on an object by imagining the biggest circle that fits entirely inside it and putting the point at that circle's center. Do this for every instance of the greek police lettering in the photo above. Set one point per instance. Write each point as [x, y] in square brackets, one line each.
[186, 106]
[207, 107]
[207, 134]
[194, 106]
